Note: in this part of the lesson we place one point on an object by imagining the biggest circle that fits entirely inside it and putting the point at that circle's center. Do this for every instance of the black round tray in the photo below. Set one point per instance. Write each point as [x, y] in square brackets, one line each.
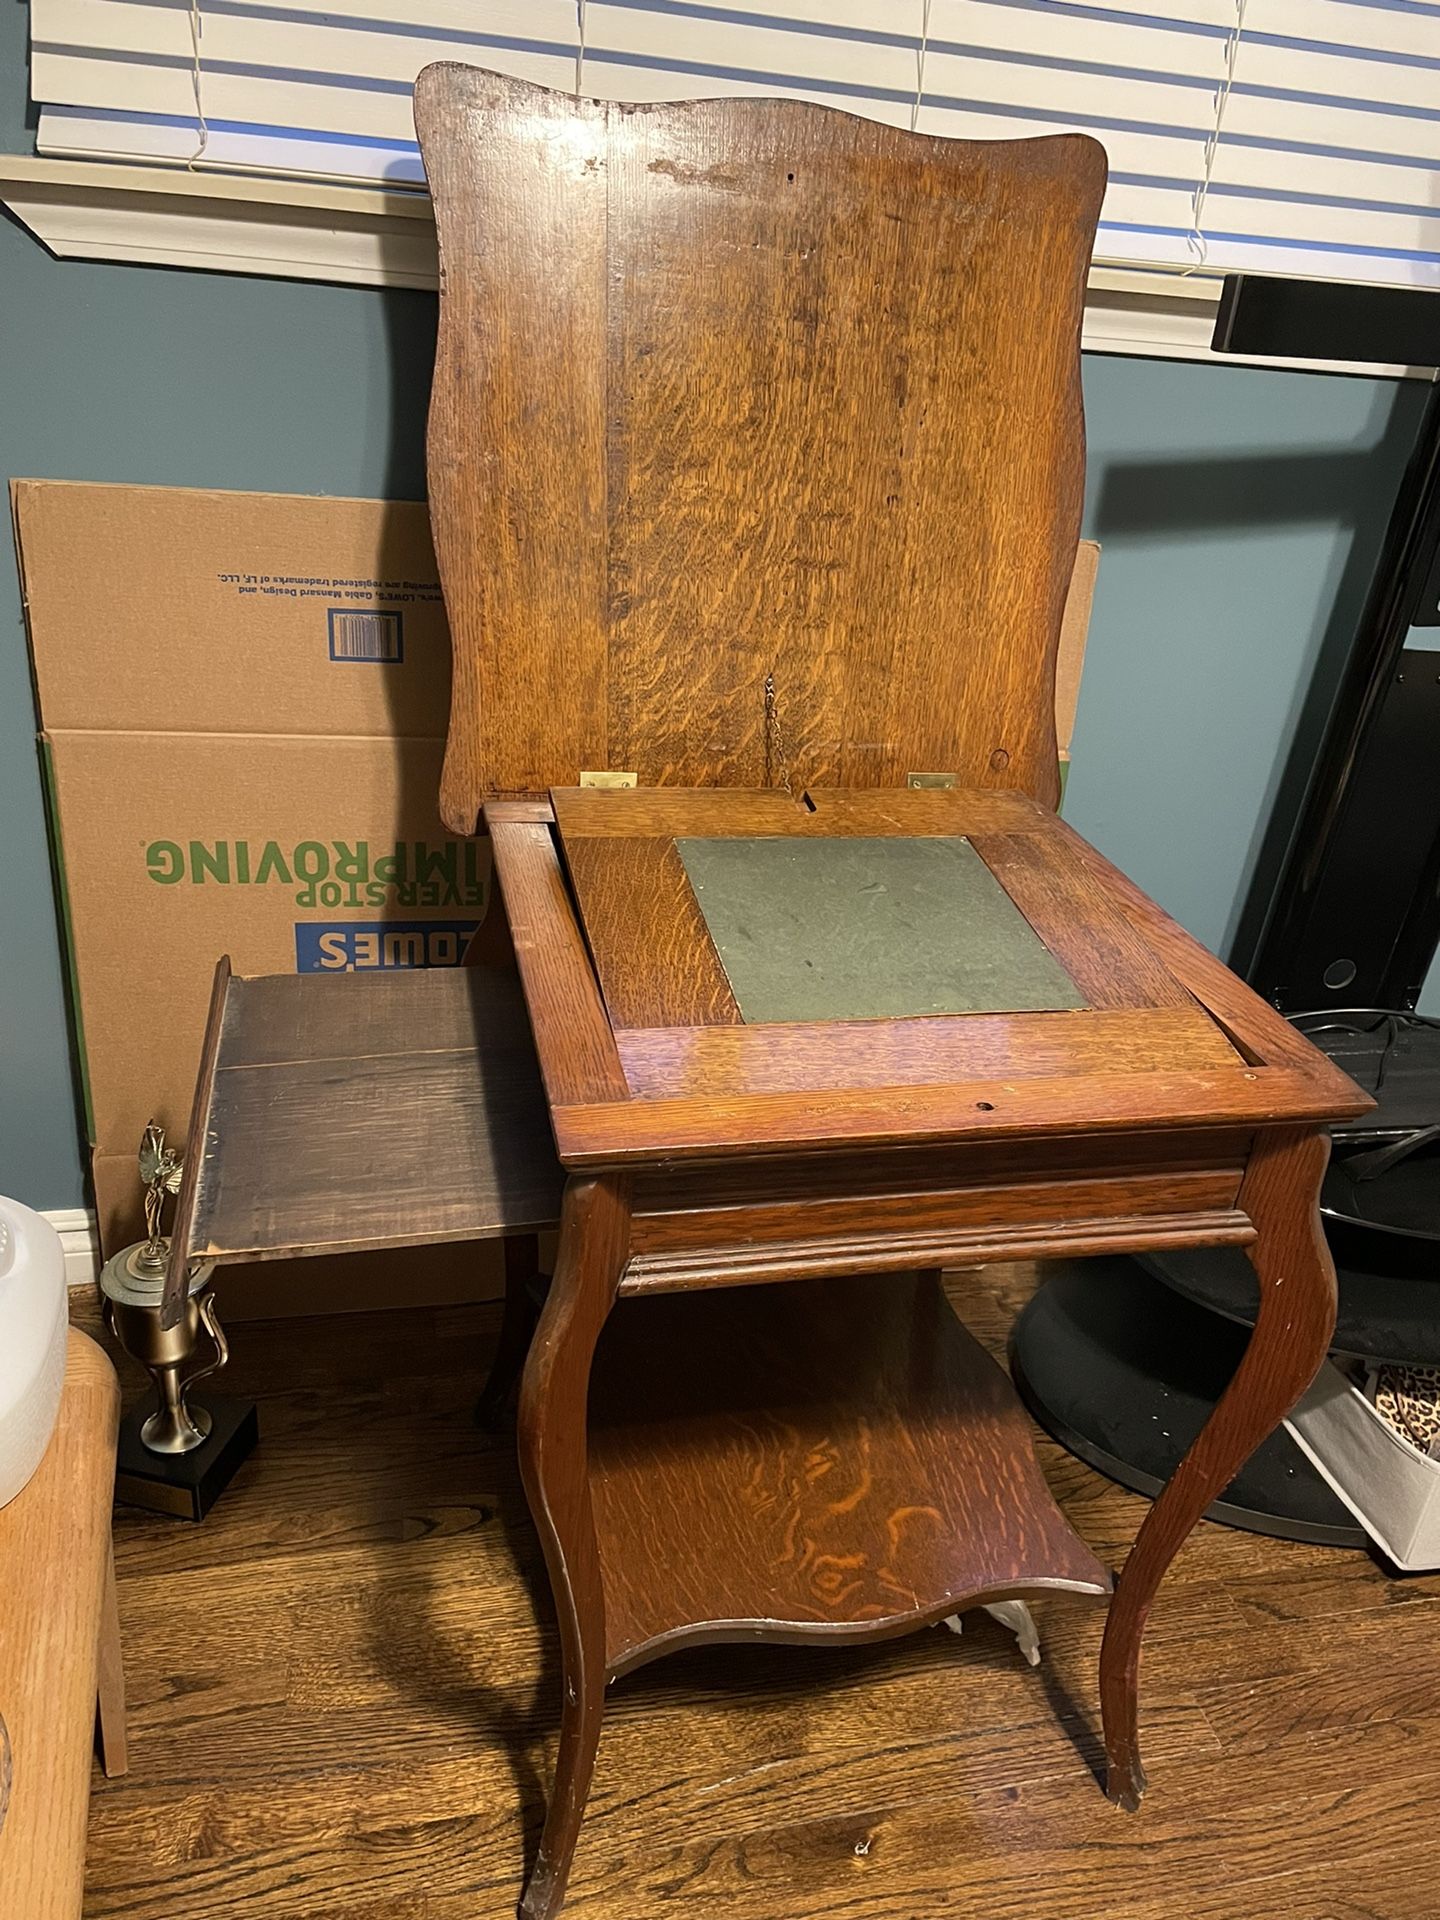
[1389, 1298]
[1124, 1373]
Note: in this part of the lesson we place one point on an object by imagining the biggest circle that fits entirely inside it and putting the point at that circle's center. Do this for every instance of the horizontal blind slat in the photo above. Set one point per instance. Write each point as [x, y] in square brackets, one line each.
[1299, 127]
[1062, 35]
[111, 135]
[1328, 153]
[1341, 23]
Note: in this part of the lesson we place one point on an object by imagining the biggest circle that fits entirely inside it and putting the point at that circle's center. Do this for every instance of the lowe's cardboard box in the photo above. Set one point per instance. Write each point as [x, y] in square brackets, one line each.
[243, 700]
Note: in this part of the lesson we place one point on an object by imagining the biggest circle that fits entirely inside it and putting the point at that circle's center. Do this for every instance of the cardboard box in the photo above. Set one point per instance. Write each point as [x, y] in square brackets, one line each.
[244, 700]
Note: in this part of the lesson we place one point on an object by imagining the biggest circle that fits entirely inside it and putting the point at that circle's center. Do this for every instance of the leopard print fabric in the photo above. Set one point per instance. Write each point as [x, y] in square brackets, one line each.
[1408, 1400]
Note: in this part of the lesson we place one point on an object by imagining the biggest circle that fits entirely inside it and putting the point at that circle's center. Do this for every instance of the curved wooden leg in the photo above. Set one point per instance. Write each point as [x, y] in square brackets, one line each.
[594, 1239]
[1280, 1193]
[517, 1324]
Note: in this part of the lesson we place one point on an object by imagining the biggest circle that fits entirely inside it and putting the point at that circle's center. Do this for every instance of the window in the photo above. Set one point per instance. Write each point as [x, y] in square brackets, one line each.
[1291, 136]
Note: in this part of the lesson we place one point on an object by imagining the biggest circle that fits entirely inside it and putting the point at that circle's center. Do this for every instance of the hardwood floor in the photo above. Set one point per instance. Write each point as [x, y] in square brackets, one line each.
[342, 1705]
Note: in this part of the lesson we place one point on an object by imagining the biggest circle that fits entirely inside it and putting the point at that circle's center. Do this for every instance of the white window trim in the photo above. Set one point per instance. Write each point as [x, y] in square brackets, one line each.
[374, 237]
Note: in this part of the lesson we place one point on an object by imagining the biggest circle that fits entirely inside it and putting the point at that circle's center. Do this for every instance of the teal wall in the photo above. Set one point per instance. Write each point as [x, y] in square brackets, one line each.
[185, 379]
[1240, 512]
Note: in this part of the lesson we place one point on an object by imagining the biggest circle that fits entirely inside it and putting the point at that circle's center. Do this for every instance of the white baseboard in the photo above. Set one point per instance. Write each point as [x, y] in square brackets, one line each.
[81, 1240]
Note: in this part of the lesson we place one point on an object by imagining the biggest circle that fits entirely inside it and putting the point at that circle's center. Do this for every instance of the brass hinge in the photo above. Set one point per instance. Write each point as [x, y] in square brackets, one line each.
[929, 779]
[609, 780]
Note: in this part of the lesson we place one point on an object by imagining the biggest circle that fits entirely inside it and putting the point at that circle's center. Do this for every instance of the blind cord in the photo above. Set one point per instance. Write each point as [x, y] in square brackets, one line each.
[1195, 239]
[580, 48]
[920, 66]
[204, 130]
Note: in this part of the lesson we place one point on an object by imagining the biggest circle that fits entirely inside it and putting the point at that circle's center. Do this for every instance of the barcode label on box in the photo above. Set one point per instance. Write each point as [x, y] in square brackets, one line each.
[370, 637]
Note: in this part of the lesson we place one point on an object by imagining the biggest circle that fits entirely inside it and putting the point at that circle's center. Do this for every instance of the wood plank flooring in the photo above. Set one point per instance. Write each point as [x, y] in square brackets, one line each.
[343, 1703]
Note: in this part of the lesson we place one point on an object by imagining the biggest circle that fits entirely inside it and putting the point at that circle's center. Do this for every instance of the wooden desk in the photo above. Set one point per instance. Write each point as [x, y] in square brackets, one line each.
[756, 461]
[835, 1460]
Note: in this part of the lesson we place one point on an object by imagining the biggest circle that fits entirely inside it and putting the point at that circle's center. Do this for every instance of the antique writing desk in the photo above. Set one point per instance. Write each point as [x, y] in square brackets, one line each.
[756, 464]
[841, 1461]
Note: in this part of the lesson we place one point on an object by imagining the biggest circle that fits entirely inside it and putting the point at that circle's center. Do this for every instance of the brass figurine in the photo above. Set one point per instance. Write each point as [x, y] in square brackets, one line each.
[160, 1170]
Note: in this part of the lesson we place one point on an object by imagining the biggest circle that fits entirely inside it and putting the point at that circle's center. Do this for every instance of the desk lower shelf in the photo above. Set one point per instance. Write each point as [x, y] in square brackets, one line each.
[823, 1460]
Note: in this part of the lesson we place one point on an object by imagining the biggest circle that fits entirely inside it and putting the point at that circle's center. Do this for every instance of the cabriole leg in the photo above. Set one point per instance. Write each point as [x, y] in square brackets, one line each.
[1280, 1193]
[594, 1239]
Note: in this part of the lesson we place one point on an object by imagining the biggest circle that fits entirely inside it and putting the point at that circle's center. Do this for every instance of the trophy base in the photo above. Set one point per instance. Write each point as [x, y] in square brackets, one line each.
[185, 1485]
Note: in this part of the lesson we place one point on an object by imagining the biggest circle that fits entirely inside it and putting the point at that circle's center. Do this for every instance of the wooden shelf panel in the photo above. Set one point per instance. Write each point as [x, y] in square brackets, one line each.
[352, 1111]
[829, 1459]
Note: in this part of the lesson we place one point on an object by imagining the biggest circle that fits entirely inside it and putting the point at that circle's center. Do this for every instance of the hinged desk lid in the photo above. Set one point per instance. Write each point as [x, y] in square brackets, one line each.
[756, 451]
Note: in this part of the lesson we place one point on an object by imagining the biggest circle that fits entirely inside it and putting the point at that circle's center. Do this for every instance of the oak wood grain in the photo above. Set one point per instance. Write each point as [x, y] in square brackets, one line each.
[1231, 1068]
[368, 1110]
[814, 539]
[855, 1464]
[649, 812]
[1032, 1203]
[554, 1443]
[684, 1061]
[749, 1125]
[654, 959]
[54, 1567]
[1281, 1193]
[554, 965]
[668, 408]
[1086, 930]
[518, 180]
[833, 1231]
[1263, 1034]
[680, 1187]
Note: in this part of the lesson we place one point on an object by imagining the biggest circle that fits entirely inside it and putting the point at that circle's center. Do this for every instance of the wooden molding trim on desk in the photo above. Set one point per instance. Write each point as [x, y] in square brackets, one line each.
[904, 1250]
[619, 1133]
[952, 1206]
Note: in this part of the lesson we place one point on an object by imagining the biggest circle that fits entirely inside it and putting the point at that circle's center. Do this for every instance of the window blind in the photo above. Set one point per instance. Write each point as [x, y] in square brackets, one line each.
[1290, 136]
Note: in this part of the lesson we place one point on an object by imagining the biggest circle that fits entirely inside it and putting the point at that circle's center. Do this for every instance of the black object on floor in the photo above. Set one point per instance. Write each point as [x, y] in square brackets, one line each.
[1389, 1307]
[1123, 1372]
[185, 1485]
[1393, 1053]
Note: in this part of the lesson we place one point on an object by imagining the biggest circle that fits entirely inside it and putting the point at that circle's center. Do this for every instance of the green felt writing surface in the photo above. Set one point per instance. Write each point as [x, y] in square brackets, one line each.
[858, 929]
